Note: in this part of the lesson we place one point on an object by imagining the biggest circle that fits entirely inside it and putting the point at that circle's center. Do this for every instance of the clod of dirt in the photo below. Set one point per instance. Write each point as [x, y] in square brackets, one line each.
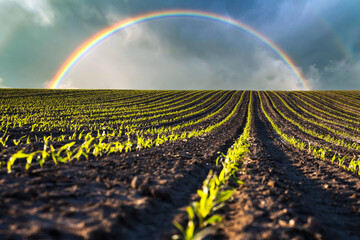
[141, 184]
[160, 192]
[135, 183]
[271, 184]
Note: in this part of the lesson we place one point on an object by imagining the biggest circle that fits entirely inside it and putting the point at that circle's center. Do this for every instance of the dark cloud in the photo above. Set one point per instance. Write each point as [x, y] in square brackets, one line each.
[322, 37]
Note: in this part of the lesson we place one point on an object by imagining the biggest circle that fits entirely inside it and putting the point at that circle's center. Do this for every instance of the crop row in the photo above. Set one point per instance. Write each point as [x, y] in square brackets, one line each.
[307, 137]
[323, 115]
[121, 130]
[84, 145]
[327, 132]
[216, 190]
[332, 103]
[67, 125]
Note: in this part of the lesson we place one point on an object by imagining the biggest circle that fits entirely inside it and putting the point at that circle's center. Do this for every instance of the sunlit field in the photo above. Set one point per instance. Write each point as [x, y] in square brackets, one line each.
[90, 163]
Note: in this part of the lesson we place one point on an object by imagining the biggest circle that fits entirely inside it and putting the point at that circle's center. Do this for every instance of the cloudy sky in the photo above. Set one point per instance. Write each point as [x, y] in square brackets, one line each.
[321, 36]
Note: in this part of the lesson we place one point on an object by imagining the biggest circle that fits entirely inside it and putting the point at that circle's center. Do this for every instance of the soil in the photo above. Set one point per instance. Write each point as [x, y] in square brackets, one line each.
[292, 130]
[287, 193]
[129, 196]
[309, 124]
[322, 115]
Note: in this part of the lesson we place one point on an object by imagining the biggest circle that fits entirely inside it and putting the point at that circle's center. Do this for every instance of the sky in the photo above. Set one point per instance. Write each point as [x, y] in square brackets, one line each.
[322, 37]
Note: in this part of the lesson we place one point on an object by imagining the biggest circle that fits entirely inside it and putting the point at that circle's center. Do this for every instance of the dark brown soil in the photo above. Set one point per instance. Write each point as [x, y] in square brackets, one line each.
[293, 130]
[289, 195]
[128, 196]
[318, 113]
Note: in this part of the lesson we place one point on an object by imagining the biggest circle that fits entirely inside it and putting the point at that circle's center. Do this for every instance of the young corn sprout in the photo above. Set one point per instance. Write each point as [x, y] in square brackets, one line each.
[202, 219]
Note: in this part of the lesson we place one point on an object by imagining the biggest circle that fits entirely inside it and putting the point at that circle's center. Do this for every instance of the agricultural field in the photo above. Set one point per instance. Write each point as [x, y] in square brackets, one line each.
[136, 164]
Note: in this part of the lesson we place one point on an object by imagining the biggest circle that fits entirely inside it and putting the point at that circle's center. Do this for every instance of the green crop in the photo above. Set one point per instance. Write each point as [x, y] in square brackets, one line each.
[317, 151]
[202, 219]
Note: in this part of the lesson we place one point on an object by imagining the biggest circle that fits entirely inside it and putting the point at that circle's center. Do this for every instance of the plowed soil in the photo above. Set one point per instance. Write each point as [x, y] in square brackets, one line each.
[288, 194]
[129, 196]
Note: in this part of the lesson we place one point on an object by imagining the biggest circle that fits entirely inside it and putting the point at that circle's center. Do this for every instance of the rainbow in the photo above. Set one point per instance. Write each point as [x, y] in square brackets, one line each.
[109, 31]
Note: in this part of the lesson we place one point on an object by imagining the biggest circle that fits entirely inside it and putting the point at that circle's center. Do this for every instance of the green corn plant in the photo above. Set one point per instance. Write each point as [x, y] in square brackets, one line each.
[73, 137]
[302, 145]
[62, 138]
[86, 144]
[342, 160]
[148, 143]
[69, 153]
[204, 206]
[352, 165]
[29, 159]
[140, 142]
[96, 150]
[13, 158]
[16, 142]
[334, 158]
[80, 153]
[44, 156]
[183, 135]
[121, 147]
[221, 180]
[315, 152]
[128, 146]
[106, 147]
[189, 232]
[80, 135]
[56, 155]
[3, 140]
[159, 140]
[33, 127]
[88, 136]
[323, 153]
[119, 134]
[46, 140]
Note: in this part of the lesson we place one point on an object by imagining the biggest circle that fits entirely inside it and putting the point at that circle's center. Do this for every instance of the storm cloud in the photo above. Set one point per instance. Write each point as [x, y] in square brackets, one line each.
[322, 37]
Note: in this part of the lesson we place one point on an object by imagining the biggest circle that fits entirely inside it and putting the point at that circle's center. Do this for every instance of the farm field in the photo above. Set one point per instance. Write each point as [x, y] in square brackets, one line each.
[136, 164]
